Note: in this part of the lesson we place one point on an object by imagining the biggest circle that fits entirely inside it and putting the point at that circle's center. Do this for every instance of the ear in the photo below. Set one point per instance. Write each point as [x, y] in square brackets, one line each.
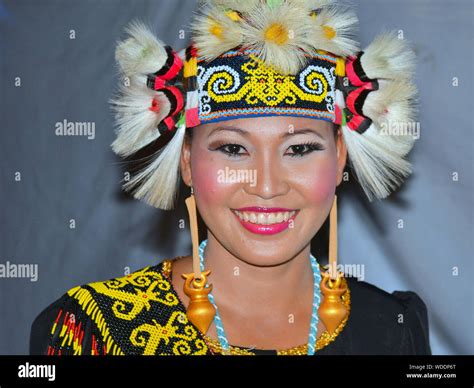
[185, 162]
[341, 155]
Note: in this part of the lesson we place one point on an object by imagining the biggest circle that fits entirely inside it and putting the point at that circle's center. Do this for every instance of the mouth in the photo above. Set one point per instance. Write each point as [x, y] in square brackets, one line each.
[265, 220]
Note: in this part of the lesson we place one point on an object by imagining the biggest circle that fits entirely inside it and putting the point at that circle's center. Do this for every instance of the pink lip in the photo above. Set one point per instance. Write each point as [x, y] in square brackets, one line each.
[261, 209]
[266, 229]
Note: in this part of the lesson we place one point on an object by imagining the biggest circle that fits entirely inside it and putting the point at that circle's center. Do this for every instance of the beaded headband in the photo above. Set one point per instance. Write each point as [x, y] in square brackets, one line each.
[238, 84]
[252, 58]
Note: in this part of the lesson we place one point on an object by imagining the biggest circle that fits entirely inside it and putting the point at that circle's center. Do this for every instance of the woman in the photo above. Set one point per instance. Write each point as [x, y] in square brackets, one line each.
[258, 115]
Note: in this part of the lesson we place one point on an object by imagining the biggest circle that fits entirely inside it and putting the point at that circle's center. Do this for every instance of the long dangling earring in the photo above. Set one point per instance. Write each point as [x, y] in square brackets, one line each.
[332, 310]
[200, 310]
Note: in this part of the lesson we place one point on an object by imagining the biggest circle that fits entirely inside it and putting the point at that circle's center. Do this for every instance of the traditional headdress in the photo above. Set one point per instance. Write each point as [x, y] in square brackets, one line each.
[251, 58]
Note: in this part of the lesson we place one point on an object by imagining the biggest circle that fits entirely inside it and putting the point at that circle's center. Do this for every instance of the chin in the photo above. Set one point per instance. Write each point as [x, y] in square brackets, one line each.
[265, 255]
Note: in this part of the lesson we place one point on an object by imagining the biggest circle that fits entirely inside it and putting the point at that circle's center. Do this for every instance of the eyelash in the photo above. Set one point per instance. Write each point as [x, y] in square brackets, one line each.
[311, 147]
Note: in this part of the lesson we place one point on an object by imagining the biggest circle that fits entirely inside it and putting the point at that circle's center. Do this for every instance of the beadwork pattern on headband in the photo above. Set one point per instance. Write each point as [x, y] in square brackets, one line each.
[239, 84]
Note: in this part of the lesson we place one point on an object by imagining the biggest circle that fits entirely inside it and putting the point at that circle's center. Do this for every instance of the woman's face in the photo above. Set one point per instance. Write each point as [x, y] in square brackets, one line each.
[284, 170]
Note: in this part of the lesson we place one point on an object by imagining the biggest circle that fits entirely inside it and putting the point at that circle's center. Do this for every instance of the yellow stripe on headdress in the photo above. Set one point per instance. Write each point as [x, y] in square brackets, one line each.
[190, 67]
[340, 66]
[233, 15]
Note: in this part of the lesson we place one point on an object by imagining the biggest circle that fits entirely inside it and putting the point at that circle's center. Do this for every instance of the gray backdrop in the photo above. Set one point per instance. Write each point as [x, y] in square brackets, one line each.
[67, 215]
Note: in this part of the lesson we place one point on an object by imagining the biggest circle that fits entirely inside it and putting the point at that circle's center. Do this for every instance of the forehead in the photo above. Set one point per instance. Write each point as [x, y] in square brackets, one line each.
[269, 125]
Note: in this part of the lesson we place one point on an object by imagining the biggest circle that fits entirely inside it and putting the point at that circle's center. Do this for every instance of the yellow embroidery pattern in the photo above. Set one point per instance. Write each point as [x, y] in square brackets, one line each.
[115, 306]
[149, 335]
[265, 85]
[128, 305]
[90, 307]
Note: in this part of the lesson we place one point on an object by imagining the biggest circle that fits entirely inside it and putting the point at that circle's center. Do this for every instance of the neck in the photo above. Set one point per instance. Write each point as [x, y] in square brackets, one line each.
[253, 289]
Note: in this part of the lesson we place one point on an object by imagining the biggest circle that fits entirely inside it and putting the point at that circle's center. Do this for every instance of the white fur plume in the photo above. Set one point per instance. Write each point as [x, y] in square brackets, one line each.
[378, 155]
[137, 125]
[214, 32]
[141, 53]
[393, 110]
[334, 29]
[379, 168]
[157, 184]
[388, 57]
[280, 35]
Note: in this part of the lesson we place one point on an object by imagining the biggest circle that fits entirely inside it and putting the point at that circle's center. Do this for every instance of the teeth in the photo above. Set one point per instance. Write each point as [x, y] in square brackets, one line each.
[265, 218]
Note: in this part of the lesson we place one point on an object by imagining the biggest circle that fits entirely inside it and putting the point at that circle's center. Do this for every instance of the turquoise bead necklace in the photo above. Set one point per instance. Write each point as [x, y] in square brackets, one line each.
[313, 331]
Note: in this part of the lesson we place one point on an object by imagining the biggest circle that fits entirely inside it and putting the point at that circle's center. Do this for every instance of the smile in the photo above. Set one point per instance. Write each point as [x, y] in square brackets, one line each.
[266, 221]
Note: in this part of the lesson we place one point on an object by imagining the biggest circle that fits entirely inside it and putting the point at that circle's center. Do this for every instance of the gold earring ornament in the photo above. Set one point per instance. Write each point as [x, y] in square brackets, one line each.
[200, 311]
[332, 310]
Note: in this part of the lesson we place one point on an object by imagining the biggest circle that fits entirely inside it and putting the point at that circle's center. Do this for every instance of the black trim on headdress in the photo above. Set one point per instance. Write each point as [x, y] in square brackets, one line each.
[169, 62]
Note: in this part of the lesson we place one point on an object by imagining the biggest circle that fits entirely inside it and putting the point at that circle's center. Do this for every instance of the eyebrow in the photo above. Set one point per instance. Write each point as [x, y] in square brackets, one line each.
[303, 131]
[245, 133]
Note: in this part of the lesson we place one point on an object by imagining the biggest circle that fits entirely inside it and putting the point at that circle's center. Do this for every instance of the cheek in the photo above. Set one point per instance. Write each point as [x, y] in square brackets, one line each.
[319, 182]
[209, 191]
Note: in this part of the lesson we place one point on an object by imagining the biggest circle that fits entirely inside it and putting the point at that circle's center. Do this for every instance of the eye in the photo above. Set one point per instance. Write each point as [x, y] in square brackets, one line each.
[231, 149]
[306, 148]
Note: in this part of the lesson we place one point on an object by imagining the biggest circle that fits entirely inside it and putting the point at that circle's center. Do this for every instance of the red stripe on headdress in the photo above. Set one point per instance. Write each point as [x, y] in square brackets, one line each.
[169, 122]
[351, 74]
[179, 99]
[192, 117]
[355, 122]
[354, 95]
[174, 68]
[160, 83]
[338, 119]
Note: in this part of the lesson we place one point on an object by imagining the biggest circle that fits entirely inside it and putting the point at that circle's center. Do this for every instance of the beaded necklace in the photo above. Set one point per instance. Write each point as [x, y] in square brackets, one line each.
[314, 313]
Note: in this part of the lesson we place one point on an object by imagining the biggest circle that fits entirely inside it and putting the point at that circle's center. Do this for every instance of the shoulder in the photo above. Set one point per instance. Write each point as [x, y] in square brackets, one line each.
[388, 323]
[79, 321]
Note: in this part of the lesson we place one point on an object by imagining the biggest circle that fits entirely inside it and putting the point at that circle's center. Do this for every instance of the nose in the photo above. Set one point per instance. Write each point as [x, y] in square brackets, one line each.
[271, 179]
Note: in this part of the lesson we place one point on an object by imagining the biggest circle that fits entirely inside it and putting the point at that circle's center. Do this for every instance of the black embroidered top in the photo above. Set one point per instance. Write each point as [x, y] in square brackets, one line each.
[141, 314]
